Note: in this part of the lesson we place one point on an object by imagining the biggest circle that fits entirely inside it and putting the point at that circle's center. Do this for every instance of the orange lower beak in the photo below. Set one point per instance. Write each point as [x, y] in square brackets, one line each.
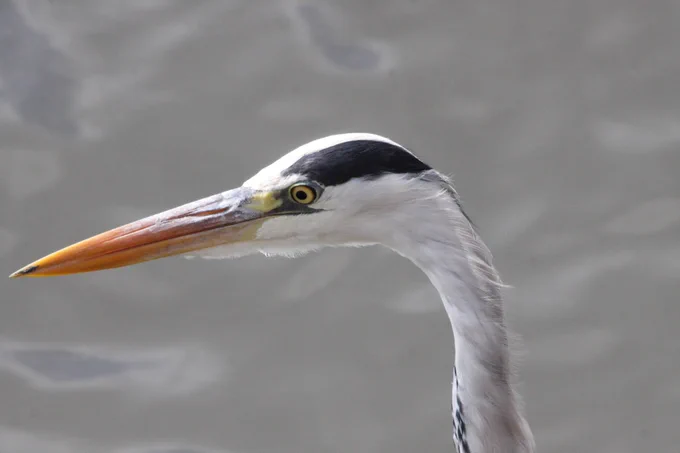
[216, 220]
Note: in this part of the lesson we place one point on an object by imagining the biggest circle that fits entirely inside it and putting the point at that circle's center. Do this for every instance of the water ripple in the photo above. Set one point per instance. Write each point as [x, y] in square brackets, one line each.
[301, 286]
[577, 348]
[169, 448]
[418, 301]
[168, 371]
[19, 441]
[645, 134]
[295, 108]
[651, 217]
[8, 240]
[554, 292]
[25, 172]
[35, 75]
[345, 52]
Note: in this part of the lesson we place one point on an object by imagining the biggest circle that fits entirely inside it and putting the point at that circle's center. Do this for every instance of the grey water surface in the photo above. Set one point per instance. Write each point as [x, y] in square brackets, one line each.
[559, 121]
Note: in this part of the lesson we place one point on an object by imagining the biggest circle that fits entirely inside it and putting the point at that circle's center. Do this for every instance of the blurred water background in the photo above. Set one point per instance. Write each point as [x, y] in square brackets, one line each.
[559, 120]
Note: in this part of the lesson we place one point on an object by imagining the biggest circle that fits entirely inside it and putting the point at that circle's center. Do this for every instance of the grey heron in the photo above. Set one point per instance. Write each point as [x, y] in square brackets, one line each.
[353, 189]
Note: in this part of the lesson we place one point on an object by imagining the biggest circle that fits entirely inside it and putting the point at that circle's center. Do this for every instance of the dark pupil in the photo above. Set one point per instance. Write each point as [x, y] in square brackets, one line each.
[301, 194]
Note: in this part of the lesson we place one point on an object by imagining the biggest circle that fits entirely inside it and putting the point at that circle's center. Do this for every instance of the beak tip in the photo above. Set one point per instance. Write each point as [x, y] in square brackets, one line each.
[24, 271]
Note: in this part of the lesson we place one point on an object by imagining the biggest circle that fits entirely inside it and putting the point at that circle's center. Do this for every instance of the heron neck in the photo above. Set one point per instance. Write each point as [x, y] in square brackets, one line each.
[486, 413]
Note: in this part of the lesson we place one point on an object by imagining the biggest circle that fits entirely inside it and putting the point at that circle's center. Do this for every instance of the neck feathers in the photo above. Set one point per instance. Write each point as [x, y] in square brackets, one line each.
[485, 408]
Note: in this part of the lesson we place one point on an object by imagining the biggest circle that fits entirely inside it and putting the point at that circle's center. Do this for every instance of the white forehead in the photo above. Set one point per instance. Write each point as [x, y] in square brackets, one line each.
[271, 174]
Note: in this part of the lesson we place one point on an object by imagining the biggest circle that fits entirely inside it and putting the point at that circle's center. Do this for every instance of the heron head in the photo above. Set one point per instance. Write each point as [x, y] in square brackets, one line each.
[341, 190]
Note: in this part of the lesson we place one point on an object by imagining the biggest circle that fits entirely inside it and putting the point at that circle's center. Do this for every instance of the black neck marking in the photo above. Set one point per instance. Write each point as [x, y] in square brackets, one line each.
[459, 428]
[356, 159]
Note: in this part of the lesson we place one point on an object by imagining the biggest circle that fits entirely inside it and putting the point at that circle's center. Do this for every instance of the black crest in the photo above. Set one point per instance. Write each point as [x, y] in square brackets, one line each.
[339, 163]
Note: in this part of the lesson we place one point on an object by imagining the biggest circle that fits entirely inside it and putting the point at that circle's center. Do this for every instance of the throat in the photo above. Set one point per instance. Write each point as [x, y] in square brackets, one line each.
[485, 409]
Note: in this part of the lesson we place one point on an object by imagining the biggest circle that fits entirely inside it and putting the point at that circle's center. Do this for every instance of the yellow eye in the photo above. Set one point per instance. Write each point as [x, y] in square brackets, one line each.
[303, 194]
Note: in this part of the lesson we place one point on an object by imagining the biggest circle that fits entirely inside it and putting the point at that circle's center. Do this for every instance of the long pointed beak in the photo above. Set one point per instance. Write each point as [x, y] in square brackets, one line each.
[229, 217]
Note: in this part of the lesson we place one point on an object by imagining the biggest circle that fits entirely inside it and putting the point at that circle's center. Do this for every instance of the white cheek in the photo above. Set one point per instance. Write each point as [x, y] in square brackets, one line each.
[229, 251]
[297, 227]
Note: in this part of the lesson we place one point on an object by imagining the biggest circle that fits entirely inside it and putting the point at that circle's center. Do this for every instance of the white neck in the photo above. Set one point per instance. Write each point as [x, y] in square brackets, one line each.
[486, 411]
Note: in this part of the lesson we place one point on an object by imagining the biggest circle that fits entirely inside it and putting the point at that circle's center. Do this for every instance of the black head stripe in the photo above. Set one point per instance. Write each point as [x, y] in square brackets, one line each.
[356, 159]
